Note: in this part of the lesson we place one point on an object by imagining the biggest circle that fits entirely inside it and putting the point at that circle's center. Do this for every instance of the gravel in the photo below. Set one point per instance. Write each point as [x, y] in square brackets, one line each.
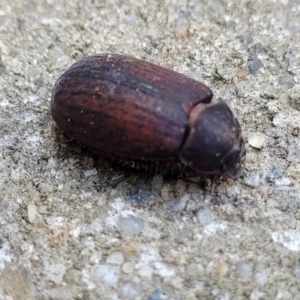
[76, 226]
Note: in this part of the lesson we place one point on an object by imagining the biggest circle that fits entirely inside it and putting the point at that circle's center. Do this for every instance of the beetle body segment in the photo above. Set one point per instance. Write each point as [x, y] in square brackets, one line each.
[136, 110]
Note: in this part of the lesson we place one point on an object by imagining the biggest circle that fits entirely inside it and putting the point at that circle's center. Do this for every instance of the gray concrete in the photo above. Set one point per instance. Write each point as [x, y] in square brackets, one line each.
[66, 214]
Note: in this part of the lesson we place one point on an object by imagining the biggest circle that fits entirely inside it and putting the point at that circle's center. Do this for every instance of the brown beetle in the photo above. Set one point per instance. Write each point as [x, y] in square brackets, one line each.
[139, 111]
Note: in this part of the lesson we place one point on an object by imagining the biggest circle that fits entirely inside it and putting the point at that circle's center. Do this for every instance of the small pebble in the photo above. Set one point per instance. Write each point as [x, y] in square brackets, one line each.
[181, 204]
[166, 192]
[247, 38]
[226, 72]
[252, 180]
[286, 81]
[258, 48]
[180, 187]
[205, 216]
[160, 294]
[115, 258]
[55, 272]
[95, 258]
[108, 274]
[45, 187]
[244, 270]
[146, 271]
[290, 239]
[257, 141]
[164, 270]
[273, 106]
[157, 185]
[261, 278]
[63, 293]
[42, 209]
[295, 99]
[32, 212]
[293, 151]
[241, 74]
[280, 120]
[129, 290]
[130, 225]
[297, 272]
[91, 172]
[127, 267]
[274, 173]
[255, 64]
[284, 181]
[2, 68]
[222, 269]
[283, 294]
[295, 131]
[85, 252]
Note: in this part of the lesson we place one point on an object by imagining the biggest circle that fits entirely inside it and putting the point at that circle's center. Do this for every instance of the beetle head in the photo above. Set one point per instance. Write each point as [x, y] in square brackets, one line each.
[214, 143]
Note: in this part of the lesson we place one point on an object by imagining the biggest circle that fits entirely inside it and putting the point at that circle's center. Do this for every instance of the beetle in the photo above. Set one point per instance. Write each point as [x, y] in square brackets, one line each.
[141, 112]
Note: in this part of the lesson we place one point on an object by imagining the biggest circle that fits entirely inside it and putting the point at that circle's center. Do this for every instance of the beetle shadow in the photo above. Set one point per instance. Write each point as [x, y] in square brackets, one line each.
[135, 184]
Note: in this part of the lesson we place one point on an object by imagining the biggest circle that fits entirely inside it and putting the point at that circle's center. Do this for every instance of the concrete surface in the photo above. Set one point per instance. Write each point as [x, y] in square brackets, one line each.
[75, 226]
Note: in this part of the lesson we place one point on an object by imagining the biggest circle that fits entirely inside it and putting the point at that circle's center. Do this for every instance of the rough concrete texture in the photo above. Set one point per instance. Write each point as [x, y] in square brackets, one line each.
[75, 226]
